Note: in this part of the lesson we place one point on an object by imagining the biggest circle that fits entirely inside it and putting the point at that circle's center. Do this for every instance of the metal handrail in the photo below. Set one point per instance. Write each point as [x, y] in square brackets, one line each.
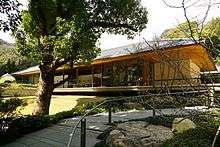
[74, 129]
[137, 81]
[112, 99]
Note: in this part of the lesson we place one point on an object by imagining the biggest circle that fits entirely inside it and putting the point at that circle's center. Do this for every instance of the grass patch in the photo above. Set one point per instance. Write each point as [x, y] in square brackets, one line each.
[17, 90]
[58, 103]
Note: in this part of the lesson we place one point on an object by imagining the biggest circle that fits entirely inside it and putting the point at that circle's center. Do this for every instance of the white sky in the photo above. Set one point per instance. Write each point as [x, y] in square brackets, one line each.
[160, 18]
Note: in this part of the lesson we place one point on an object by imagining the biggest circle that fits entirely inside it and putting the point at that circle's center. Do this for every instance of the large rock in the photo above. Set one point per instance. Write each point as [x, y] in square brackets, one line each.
[138, 134]
[182, 124]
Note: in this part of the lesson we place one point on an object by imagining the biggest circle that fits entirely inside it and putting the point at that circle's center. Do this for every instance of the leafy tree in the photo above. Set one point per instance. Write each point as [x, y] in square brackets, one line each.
[9, 11]
[181, 31]
[210, 34]
[55, 32]
[10, 60]
[212, 27]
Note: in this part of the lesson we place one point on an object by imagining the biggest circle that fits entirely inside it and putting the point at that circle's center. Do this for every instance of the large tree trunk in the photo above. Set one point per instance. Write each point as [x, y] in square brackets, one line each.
[45, 90]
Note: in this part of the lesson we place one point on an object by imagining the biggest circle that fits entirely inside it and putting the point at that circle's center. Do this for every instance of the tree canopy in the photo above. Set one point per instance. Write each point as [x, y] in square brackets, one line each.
[77, 25]
[182, 30]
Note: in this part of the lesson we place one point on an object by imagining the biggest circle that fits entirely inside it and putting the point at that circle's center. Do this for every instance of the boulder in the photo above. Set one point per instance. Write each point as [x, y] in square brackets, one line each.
[138, 134]
[182, 124]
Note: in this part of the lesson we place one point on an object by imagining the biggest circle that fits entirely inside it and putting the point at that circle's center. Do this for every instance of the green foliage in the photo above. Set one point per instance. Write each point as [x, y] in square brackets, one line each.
[10, 60]
[9, 107]
[165, 120]
[212, 27]
[9, 11]
[11, 129]
[181, 31]
[212, 34]
[198, 137]
[202, 136]
[213, 46]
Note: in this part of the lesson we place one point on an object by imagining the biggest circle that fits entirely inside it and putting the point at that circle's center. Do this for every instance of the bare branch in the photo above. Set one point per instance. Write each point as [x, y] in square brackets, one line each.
[204, 19]
[171, 6]
[187, 19]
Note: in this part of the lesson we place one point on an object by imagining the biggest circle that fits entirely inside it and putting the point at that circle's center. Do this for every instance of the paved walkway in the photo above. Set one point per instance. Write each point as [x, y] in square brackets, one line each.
[58, 135]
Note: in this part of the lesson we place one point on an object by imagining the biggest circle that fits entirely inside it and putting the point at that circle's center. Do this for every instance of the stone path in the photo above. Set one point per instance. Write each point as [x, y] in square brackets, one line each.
[58, 135]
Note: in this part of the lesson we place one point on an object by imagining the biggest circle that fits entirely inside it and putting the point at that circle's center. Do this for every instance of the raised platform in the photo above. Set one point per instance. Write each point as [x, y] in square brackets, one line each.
[127, 90]
[102, 90]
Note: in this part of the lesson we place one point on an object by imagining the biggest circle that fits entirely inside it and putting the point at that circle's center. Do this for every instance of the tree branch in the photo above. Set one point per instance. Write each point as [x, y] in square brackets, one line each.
[61, 82]
[204, 19]
[59, 62]
[187, 19]
[104, 24]
[171, 6]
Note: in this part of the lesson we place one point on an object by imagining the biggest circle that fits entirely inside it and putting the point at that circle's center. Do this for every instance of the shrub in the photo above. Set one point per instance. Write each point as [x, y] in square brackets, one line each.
[14, 128]
[9, 107]
[198, 137]
[9, 113]
[172, 101]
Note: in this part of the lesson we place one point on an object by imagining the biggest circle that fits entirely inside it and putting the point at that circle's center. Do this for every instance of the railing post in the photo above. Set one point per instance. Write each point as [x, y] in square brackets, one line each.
[109, 113]
[83, 133]
[154, 113]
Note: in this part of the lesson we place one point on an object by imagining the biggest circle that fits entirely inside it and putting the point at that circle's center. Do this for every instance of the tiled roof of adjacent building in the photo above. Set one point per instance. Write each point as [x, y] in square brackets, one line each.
[30, 70]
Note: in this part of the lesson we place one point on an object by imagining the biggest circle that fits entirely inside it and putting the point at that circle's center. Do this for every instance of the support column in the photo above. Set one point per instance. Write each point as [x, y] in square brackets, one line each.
[32, 79]
[63, 78]
[92, 75]
[109, 113]
[210, 101]
[112, 66]
[145, 73]
[101, 73]
[77, 76]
